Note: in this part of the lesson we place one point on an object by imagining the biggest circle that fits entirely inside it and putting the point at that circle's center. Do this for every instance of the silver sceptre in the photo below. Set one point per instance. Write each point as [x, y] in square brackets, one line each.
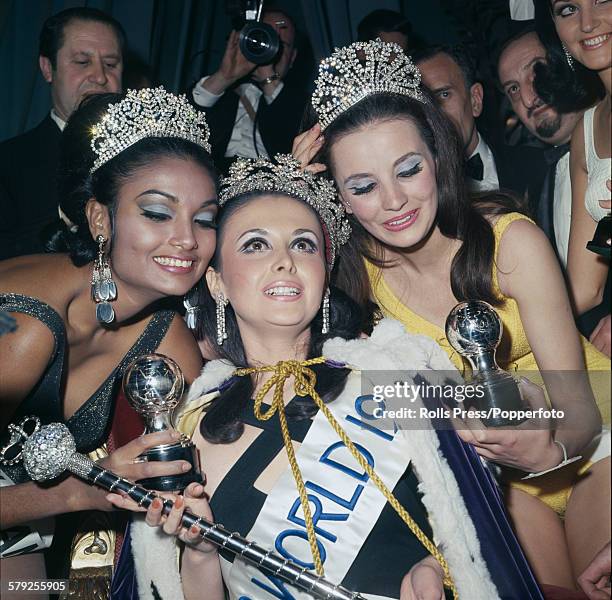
[51, 450]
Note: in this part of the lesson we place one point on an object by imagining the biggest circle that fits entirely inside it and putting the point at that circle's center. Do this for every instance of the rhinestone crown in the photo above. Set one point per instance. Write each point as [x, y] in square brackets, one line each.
[247, 175]
[149, 112]
[354, 72]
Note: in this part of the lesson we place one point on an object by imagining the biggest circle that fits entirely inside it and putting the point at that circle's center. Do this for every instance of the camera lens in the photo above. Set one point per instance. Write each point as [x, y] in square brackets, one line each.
[259, 43]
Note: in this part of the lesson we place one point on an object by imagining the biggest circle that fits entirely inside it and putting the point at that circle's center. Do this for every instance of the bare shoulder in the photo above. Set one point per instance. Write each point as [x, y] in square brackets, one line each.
[50, 278]
[525, 258]
[521, 241]
[24, 355]
[180, 345]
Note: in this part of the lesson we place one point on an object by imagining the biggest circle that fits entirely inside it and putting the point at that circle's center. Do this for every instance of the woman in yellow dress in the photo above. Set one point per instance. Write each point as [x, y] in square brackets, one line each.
[420, 244]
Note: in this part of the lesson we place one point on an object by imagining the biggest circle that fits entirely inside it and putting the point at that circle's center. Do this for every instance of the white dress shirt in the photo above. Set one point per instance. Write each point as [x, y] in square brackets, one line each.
[58, 120]
[521, 10]
[562, 207]
[490, 180]
[241, 140]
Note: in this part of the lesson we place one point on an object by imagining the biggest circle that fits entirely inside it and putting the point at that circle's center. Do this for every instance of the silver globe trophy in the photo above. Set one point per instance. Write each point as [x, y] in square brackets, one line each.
[153, 385]
[474, 329]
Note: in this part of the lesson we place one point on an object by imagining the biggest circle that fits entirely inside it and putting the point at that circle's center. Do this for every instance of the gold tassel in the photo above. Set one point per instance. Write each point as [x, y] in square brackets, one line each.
[304, 384]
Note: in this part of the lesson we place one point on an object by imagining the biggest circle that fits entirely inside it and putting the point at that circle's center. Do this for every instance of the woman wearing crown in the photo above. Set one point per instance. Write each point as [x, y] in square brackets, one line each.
[138, 204]
[294, 455]
[427, 244]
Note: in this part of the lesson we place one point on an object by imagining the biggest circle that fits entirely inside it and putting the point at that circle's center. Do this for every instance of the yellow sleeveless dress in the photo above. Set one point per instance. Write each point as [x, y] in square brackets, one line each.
[514, 354]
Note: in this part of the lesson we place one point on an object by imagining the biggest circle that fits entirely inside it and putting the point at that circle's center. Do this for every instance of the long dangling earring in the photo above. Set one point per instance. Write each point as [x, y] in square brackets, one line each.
[190, 314]
[325, 309]
[103, 288]
[568, 57]
[222, 302]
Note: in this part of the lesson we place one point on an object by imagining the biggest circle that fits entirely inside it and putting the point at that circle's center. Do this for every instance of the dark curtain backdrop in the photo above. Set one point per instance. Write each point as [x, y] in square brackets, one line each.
[180, 40]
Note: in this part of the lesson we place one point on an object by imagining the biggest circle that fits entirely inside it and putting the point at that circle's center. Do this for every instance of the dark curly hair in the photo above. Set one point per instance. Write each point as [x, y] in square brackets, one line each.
[222, 423]
[76, 185]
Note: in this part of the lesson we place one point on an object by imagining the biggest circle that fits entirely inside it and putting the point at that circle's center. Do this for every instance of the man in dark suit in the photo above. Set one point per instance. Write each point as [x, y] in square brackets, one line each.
[389, 26]
[80, 53]
[254, 111]
[450, 75]
[553, 211]
[515, 69]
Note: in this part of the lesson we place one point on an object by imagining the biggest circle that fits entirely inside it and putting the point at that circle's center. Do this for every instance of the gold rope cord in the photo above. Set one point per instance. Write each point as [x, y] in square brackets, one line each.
[304, 385]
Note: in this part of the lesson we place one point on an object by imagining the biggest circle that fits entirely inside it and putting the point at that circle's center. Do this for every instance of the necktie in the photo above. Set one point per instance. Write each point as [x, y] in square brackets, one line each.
[474, 168]
[553, 154]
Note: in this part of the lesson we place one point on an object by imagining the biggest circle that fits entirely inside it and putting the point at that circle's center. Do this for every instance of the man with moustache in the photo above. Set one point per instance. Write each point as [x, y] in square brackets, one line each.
[80, 53]
[450, 75]
[515, 68]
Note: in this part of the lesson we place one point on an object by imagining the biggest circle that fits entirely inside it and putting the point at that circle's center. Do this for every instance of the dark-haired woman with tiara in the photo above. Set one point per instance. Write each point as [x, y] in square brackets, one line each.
[139, 203]
[578, 39]
[420, 244]
[296, 456]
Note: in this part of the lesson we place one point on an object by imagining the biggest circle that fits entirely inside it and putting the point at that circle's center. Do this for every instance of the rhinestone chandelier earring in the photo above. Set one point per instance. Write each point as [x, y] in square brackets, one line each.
[325, 310]
[568, 57]
[103, 288]
[222, 302]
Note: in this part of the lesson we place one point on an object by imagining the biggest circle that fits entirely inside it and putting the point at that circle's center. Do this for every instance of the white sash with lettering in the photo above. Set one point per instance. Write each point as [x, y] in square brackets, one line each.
[345, 504]
[333, 479]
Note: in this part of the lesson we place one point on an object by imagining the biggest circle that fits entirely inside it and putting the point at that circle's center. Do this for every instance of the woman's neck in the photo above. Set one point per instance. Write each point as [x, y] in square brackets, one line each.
[264, 348]
[274, 345]
[431, 255]
[81, 310]
[606, 79]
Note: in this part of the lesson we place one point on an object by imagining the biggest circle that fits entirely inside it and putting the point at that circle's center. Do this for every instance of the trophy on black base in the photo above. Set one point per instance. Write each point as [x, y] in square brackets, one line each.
[153, 385]
[599, 244]
[474, 329]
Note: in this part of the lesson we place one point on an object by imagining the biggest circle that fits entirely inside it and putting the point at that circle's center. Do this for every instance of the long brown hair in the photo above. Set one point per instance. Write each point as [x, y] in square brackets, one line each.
[460, 215]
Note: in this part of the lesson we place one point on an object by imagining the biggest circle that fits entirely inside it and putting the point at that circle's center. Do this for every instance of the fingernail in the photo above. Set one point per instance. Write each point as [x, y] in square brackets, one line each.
[194, 530]
[156, 504]
[109, 497]
[198, 489]
[179, 502]
[185, 466]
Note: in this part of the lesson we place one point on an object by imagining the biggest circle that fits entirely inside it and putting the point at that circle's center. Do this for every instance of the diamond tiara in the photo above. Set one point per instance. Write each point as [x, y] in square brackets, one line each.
[285, 176]
[354, 72]
[145, 113]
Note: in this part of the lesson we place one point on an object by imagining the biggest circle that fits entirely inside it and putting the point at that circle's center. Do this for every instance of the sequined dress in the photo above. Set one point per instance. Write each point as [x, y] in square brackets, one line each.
[91, 424]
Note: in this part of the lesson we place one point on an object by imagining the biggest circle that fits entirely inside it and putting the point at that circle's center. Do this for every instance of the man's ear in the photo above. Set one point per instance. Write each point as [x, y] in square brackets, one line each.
[214, 283]
[476, 98]
[98, 219]
[45, 68]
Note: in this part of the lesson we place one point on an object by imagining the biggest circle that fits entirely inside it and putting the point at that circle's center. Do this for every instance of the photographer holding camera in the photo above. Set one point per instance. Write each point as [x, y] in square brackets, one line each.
[253, 110]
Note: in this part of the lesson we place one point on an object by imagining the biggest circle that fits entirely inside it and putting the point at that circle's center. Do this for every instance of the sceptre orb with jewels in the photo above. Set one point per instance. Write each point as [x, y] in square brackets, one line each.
[153, 385]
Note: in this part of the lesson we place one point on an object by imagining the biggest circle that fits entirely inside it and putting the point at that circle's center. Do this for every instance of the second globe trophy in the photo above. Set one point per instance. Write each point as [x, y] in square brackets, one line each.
[474, 329]
[153, 385]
